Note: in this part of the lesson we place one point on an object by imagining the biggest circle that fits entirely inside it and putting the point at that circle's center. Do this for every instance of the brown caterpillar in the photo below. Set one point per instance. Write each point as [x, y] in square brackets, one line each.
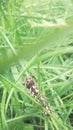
[31, 85]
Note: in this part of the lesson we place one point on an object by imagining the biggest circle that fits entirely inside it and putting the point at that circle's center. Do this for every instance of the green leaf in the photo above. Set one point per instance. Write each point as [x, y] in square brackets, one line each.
[51, 36]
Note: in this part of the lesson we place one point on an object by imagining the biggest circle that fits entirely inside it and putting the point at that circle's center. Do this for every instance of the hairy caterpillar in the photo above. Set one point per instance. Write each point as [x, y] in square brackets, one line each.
[33, 88]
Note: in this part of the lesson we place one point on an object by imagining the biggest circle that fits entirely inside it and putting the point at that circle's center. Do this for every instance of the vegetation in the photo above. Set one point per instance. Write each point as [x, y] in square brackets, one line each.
[36, 39]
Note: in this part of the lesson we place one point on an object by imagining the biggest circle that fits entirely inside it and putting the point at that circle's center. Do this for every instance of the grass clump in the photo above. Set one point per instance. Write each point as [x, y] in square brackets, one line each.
[37, 40]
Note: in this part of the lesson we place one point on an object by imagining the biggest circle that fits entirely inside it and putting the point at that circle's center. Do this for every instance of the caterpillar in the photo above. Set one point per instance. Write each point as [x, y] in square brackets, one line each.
[33, 88]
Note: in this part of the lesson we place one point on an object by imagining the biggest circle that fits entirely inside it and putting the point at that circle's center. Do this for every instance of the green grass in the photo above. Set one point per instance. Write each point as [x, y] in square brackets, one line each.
[36, 38]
